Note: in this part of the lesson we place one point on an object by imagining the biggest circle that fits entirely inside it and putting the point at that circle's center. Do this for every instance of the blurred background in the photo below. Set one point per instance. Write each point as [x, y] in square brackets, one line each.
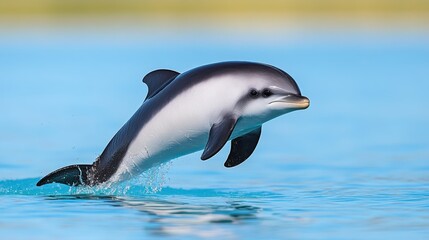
[71, 70]
[71, 73]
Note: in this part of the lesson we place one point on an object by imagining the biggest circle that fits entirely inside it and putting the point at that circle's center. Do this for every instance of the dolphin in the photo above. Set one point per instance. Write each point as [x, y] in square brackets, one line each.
[200, 109]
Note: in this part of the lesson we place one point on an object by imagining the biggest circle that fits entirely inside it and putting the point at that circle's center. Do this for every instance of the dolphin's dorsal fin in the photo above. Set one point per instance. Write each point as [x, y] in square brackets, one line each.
[157, 80]
[218, 136]
[242, 147]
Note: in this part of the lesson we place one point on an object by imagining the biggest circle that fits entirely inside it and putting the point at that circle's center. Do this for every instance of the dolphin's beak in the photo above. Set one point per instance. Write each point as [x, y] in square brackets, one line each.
[294, 102]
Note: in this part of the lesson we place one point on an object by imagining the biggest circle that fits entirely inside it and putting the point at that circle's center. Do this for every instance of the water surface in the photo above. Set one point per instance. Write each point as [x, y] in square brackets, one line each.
[355, 165]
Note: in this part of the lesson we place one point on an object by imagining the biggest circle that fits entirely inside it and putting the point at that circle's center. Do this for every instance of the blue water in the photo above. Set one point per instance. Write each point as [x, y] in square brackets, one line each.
[355, 165]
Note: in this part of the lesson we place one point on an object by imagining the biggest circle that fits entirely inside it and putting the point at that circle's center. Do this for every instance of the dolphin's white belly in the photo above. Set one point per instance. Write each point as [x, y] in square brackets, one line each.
[179, 128]
[160, 141]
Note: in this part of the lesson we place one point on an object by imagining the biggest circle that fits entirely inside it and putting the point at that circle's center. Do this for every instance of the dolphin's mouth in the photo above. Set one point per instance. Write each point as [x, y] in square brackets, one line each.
[294, 101]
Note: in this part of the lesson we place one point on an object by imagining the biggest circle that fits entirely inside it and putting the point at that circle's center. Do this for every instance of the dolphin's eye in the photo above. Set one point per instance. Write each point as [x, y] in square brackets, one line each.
[254, 93]
[266, 93]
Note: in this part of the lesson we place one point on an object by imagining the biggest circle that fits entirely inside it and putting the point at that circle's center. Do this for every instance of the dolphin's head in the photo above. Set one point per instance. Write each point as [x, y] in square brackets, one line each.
[252, 92]
[268, 93]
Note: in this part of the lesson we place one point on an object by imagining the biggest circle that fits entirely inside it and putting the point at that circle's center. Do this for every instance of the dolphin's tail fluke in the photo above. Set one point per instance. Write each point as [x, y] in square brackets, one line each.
[72, 175]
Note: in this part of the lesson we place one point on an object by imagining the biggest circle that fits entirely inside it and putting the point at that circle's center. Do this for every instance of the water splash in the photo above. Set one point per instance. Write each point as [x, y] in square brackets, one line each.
[157, 178]
[150, 182]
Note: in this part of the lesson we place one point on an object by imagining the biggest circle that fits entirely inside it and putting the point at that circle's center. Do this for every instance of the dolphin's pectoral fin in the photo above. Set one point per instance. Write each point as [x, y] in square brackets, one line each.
[242, 147]
[218, 136]
[72, 175]
[157, 80]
